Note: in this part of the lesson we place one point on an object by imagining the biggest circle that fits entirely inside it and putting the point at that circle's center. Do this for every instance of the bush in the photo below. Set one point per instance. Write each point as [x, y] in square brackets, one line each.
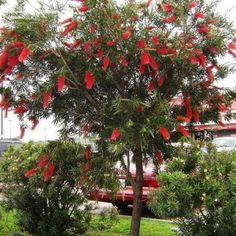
[40, 182]
[202, 198]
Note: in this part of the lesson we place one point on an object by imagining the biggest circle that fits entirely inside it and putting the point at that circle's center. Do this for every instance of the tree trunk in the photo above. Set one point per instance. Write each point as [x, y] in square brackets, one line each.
[138, 190]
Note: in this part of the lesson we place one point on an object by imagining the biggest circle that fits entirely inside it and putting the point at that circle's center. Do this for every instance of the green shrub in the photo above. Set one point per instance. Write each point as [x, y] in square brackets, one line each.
[47, 205]
[203, 198]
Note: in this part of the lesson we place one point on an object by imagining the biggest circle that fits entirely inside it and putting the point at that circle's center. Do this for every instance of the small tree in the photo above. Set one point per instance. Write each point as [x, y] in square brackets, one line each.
[113, 70]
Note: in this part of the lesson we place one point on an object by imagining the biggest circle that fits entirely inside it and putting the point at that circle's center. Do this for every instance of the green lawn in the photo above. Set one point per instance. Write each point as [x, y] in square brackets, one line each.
[149, 227]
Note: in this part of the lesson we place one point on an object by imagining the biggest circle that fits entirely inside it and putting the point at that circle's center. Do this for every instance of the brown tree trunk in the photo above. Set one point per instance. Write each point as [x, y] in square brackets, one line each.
[138, 190]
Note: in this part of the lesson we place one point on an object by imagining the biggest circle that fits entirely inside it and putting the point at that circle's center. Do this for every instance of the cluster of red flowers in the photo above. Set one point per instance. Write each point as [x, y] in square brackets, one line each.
[42, 163]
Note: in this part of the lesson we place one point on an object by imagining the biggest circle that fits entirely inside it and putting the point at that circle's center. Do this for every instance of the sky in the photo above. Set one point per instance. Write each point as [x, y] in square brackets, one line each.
[47, 131]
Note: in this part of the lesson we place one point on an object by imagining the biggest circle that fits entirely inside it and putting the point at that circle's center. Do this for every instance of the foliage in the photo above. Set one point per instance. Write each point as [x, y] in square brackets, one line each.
[46, 207]
[150, 227]
[203, 198]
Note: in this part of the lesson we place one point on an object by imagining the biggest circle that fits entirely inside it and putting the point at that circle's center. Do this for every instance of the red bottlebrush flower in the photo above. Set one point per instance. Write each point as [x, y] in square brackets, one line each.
[161, 80]
[47, 174]
[159, 157]
[60, 83]
[123, 61]
[110, 43]
[202, 60]
[68, 20]
[86, 167]
[203, 29]
[75, 44]
[86, 46]
[186, 101]
[24, 54]
[232, 46]
[164, 133]
[34, 121]
[145, 59]
[162, 51]
[89, 80]
[20, 110]
[83, 8]
[106, 63]
[196, 116]
[30, 172]
[81, 181]
[69, 28]
[192, 5]
[142, 69]
[183, 119]
[100, 53]
[139, 109]
[22, 132]
[155, 40]
[126, 34]
[6, 108]
[19, 76]
[46, 99]
[222, 107]
[3, 100]
[167, 7]
[189, 112]
[87, 153]
[170, 19]
[153, 63]
[8, 70]
[183, 131]
[212, 50]
[210, 74]
[151, 86]
[3, 58]
[115, 16]
[42, 160]
[193, 60]
[115, 134]
[13, 61]
[198, 15]
[141, 43]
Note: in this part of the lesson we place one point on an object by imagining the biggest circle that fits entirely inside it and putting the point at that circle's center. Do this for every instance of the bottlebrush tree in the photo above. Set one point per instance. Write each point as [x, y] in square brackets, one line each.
[113, 69]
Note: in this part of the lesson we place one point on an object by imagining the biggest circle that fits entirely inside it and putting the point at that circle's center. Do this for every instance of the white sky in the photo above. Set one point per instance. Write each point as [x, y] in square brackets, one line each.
[46, 130]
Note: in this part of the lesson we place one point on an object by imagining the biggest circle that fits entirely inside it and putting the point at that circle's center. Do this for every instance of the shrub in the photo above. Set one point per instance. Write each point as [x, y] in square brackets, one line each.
[40, 182]
[202, 198]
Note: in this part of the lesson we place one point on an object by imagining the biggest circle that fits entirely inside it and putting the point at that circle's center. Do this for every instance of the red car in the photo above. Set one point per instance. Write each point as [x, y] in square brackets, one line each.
[124, 196]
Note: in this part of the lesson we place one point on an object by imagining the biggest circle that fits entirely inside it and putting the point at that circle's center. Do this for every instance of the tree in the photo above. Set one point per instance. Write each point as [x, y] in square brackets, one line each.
[113, 70]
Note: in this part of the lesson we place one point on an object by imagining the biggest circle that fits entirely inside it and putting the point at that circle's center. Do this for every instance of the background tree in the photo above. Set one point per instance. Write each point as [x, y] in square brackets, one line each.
[113, 70]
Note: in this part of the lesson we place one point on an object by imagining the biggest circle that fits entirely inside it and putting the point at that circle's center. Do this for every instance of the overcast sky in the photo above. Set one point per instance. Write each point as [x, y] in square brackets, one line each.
[47, 131]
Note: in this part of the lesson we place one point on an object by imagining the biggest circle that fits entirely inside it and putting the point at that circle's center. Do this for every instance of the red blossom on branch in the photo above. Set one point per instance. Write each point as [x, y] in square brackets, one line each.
[48, 172]
[89, 80]
[164, 133]
[30, 172]
[115, 134]
[60, 83]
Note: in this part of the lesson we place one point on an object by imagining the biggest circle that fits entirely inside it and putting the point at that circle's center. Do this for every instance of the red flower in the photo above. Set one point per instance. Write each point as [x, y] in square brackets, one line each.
[141, 43]
[139, 109]
[115, 16]
[189, 112]
[8, 70]
[126, 34]
[20, 110]
[3, 100]
[196, 117]
[159, 157]
[22, 132]
[155, 40]
[165, 134]
[110, 43]
[162, 51]
[170, 19]
[151, 86]
[183, 119]
[100, 54]
[222, 107]
[46, 99]
[123, 61]
[198, 15]
[30, 172]
[106, 63]
[115, 134]
[183, 131]
[153, 63]
[47, 174]
[186, 101]
[69, 28]
[203, 29]
[232, 46]
[167, 7]
[3, 58]
[81, 181]
[89, 80]
[193, 60]
[75, 44]
[142, 69]
[83, 8]
[202, 60]
[86, 167]
[87, 153]
[68, 20]
[161, 80]
[145, 58]
[42, 161]
[60, 83]
[210, 74]
[13, 61]
[192, 5]
[24, 54]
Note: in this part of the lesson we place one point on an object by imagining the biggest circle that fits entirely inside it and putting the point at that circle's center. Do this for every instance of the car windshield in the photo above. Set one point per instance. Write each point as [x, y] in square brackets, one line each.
[224, 142]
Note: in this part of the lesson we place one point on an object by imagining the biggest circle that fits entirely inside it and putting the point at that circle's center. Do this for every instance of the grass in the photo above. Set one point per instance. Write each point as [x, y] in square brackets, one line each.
[149, 227]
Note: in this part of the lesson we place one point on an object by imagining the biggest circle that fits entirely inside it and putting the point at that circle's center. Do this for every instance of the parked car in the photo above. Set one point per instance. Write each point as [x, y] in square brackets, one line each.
[5, 143]
[124, 196]
[225, 143]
